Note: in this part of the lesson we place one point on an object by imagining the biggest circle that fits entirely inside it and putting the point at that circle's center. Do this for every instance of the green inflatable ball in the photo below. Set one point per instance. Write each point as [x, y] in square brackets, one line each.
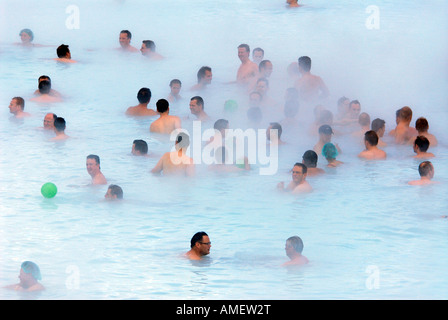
[230, 106]
[49, 190]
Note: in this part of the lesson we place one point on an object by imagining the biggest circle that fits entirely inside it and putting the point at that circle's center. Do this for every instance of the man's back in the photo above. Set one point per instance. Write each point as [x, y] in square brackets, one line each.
[165, 124]
[140, 111]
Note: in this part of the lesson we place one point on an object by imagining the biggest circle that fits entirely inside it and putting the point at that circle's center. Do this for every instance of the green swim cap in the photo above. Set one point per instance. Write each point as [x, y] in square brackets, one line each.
[31, 267]
[329, 151]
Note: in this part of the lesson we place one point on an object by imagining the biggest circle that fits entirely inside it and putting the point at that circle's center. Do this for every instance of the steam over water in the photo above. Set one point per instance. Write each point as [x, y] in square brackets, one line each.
[361, 217]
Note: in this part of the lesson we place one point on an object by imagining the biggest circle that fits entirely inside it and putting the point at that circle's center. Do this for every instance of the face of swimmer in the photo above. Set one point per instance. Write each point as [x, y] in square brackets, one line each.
[124, 40]
[92, 167]
[297, 174]
[204, 246]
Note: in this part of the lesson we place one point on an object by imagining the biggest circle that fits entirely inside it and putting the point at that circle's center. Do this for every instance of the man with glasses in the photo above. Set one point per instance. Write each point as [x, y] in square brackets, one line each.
[298, 183]
[200, 246]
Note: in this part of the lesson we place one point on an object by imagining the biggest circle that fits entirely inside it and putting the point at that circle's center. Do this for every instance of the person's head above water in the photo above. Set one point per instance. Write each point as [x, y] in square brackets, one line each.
[148, 46]
[421, 125]
[310, 159]
[59, 124]
[243, 52]
[26, 36]
[162, 105]
[114, 192]
[379, 126]
[125, 38]
[426, 169]
[144, 95]
[63, 52]
[329, 151]
[296, 243]
[44, 87]
[204, 75]
[32, 269]
[371, 138]
[421, 143]
[200, 246]
[139, 147]
[304, 64]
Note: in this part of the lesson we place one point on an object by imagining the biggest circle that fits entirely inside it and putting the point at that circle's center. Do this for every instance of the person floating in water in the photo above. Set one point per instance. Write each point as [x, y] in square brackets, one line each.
[298, 183]
[372, 152]
[114, 192]
[142, 110]
[94, 169]
[293, 249]
[29, 278]
[426, 172]
[64, 54]
[176, 162]
[166, 123]
[17, 106]
[330, 152]
[139, 148]
[200, 246]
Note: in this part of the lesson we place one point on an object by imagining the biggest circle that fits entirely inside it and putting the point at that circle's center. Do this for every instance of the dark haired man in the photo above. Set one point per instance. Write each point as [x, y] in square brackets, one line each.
[421, 145]
[142, 110]
[197, 108]
[64, 54]
[148, 49]
[94, 169]
[204, 76]
[166, 123]
[312, 89]
[298, 183]
[125, 41]
[372, 152]
[200, 246]
[426, 172]
[248, 69]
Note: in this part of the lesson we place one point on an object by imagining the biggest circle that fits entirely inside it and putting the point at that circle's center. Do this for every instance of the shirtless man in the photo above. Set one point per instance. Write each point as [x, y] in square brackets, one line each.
[372, 152]
[45, 95]
[176, 162]
[421, 145]
[379, 126]
[148, 49]
[197, 108]
[426, 172]
[422, 126]
[264, 71]
[94, 169]
[49, 121]
[16, 107]
[403, 132]
[174, 95]
[293, 249]
[292, 4]
[325, 135]
[312, 89]
[166, 122]
[310, 159]
[257, 55]
[298, 183]
[364, 123]
[274, 133]
[64, 54]
[205, 77]
[29, 278]
[59, 129]
[142, 110]
[200, 246]
[114, 192]
[248, 68]
[52, 92]
[125, 41]
[139, 148]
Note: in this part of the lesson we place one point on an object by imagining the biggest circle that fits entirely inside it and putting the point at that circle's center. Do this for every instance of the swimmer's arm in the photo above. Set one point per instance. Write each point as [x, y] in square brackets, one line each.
[158, 167]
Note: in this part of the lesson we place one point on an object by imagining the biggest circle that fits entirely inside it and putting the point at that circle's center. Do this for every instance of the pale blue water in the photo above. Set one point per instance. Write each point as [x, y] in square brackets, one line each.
[361, 217]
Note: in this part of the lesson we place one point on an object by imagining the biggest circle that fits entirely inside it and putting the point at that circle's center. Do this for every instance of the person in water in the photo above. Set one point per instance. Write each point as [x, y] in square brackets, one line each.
[426, 172]
[293, 249]
[94, 169]
[200, 246]
[29, 277]
[142, 110]
[298, 183]
[114, 192]
[166, 123]
[372, 152]
[421, 145]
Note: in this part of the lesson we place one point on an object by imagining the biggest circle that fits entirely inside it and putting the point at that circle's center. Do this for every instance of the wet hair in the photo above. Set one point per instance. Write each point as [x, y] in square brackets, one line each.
[371, 137]
[263, 64]
[291, 108]
[310, 158]
[364, 119]
[144, 95]
[59, 124]
[422, 143]
[276, 126]
[141, 146]
[175, 81]
[421, 124]
[128, 33]
[254, 114]
[197, 237]
[199, 101]
[354, 102]
[303, 166]
[296, 243]
[44, 87]
[377, 124]
[405, 113]
[162, 105]
[202, 71]
[305, 63]
[150, 45]
[221, 124]
[245, 46]
[424, 168]
[329, 151]
[258, 49]
[182, 140]
[95, 157]
[28, 32]
[20, 101]
[31, 267]
[116, 191]
[62, 50]
[43, 77]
